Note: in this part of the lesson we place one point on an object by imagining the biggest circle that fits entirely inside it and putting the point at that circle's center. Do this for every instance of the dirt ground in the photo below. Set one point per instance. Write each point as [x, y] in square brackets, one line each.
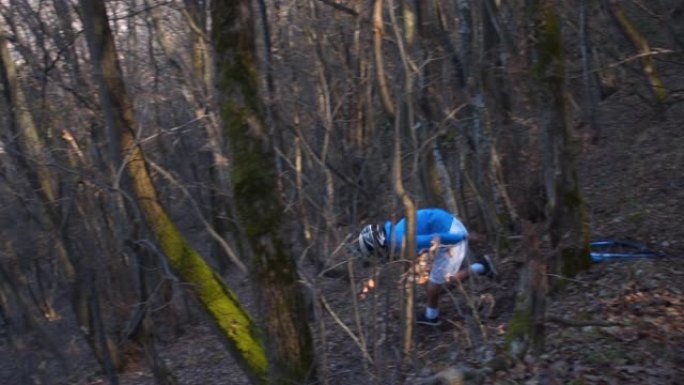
[618, 323]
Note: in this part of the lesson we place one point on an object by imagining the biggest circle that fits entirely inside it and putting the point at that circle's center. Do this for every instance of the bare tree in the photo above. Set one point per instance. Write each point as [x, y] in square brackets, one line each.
[641, 44]
[566, 214]
[378, 32]
[200, 95]
[255, 183]
[590, 86]
[526, 332]
[34, 157]
[36, 162]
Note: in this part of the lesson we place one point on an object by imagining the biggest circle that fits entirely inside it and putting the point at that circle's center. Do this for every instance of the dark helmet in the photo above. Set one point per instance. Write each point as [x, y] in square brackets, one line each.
[370, 236]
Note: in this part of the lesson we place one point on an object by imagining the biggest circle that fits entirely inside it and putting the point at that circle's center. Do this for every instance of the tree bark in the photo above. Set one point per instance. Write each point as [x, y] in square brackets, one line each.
[378, 31]
[590, 86]
[434, 176]
[568, 227]
[256, 193]
[526, 331]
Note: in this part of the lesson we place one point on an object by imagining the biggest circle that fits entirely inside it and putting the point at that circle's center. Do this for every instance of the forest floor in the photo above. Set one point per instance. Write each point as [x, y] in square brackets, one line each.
[617, 323]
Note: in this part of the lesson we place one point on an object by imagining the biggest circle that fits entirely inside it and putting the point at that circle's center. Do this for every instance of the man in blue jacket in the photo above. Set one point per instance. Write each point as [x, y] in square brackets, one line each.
[438, 230]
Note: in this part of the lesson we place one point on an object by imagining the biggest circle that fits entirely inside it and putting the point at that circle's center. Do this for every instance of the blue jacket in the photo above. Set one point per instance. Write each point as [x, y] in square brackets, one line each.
[429, 223]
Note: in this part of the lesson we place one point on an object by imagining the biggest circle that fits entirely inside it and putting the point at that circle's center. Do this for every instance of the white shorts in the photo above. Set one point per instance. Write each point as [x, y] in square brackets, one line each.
[448, 260]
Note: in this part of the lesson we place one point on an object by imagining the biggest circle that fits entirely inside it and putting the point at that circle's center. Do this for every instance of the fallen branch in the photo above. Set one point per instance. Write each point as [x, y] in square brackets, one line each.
[341, 7]
[652, 52]
[346, 328]
[578, 323]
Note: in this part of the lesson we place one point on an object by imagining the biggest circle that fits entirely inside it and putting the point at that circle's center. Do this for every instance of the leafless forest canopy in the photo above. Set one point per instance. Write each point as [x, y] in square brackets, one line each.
[165, 144]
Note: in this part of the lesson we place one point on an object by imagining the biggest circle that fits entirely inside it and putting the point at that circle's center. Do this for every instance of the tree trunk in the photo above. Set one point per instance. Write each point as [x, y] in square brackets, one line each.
[590, 85]
[434, 176]
[256, 193]
[236, 327]
[567, 227]
[403, 130]
[378, 31]
[644, 50]
[526, 329]
[325, 108]
[566, 210]
[141, 326]
[35, 158]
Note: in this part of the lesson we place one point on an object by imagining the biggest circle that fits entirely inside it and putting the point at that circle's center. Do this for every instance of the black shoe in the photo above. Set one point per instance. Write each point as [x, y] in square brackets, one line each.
[490, 268]
[421, 319]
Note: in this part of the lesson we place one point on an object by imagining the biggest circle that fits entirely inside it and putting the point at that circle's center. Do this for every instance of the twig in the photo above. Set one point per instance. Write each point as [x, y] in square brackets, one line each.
[653, 52]
[208, 227]
[355, 305]
[474, 313]
[565, 278]
[344, 327]
[578, 323]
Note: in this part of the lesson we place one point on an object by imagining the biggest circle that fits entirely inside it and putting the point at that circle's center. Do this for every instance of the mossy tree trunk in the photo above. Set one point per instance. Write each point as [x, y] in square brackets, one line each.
[565, 210]
[526, 331]
[255, 183]
[236, 327]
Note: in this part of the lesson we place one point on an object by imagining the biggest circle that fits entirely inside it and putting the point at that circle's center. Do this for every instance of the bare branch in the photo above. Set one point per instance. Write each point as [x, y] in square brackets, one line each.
[340, 7]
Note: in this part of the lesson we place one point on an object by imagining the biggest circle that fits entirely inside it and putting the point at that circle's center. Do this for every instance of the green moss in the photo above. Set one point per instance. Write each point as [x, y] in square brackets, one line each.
[583, 315]
[505, 221]
[636, 218]
[219, 301]
[503, 245]
[256, 193]
[550, 65]
[573, 198]
[575, 258]
[520, 326]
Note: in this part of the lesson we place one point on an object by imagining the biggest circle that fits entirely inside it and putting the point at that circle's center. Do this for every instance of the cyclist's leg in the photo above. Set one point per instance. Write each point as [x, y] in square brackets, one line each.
[440, 267]
[457, 255]
[445, 268]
